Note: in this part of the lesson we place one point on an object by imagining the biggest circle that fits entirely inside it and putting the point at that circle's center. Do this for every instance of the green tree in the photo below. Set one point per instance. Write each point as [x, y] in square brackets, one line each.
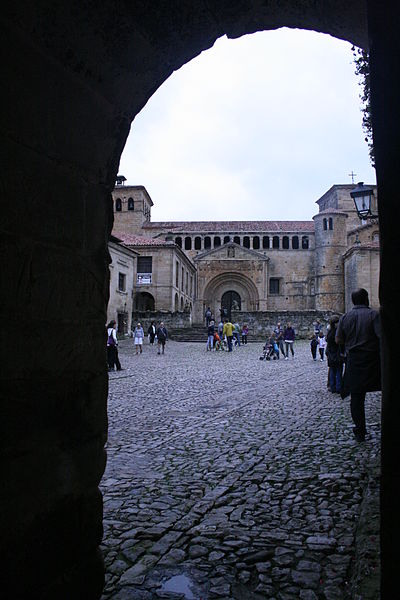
[361, 61]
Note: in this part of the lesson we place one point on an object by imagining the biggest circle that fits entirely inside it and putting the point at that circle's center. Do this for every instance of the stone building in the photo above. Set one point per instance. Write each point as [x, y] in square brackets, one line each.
[251, 266]
[122, 277]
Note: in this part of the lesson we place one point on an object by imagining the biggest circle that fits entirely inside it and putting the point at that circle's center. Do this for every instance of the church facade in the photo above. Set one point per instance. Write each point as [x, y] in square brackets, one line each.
[249, 266]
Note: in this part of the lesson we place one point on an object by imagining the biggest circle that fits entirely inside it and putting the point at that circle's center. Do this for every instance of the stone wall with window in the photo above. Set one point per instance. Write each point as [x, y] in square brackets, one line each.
[122, 277]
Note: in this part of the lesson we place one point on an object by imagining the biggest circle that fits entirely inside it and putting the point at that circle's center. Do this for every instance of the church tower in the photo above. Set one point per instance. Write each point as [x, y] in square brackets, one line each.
[330, 245]
[132, 207]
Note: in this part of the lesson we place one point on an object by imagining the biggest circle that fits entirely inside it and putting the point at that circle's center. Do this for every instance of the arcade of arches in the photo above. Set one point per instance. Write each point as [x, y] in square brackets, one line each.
[77, 74]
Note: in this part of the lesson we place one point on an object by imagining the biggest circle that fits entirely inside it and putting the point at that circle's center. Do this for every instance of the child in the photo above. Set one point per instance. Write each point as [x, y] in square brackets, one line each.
[321, 345]
[245, 331]
[314, 346]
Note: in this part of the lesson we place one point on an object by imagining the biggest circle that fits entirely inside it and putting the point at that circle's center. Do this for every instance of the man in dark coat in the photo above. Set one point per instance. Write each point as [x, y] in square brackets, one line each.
[359, 331]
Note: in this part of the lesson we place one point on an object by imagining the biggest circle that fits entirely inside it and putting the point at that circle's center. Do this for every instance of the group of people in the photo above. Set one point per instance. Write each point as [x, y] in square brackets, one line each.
[353, 343]
[279, 342]
[225, 335]
[154, 333]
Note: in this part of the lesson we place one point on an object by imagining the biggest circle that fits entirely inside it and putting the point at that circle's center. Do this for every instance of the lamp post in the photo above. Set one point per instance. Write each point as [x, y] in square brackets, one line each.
[364, 201]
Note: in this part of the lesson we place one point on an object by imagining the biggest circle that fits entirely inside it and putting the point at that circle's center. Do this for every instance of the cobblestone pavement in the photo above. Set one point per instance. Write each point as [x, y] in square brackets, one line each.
[230, 477]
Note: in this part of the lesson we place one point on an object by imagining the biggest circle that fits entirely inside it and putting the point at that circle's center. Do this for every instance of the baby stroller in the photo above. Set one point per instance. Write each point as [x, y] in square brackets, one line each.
[268, 352]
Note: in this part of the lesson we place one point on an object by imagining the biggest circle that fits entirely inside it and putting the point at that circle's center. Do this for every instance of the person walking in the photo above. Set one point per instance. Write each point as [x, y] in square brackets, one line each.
[334, 355]
[112, 345]
[236, 334]
[210, 336]
[151, 332]
[138, 335]
[289, 337]
[162, 336]
[228, 332]
[245, 333]
[279, 337]
[321, 345]
[220, 328]
[314, 346]
[207, 316]
[359, 331]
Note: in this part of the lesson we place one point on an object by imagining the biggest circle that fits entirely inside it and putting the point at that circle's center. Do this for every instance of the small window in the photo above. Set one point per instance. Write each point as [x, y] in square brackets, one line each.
[236, 240]
[265, 242]
[183, 278]
[217, 241]
[197, 243]
[295, 242]
[227, 239]
[246, 241]
[188, 243]
[207, 242]
[274, 285]
[285, 242]
[118, 205]
[122, 282]
[325, 224]
[177, 274]
[330, 224]
[304, 242]
[131, 204]
[256, 242]
[275, 242]
[178, 241]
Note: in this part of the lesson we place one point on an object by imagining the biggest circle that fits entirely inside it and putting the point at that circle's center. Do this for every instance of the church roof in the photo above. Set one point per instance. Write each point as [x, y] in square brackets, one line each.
[129, 239]
[232, 226]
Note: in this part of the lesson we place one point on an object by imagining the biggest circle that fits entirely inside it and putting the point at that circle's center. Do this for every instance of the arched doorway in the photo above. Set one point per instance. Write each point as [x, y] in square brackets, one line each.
[144, 302]
[97, 155]
[230, 301]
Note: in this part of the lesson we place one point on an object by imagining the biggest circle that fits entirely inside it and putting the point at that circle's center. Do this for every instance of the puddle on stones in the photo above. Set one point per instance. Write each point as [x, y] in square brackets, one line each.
[179, 584]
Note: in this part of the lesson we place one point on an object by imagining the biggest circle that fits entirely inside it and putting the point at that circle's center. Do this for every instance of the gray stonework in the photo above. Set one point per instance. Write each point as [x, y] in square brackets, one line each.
[271, 265]
[260, 323]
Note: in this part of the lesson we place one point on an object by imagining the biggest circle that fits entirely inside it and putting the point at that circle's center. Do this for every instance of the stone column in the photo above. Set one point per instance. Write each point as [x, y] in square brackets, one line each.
[56, 219]
[385, 88]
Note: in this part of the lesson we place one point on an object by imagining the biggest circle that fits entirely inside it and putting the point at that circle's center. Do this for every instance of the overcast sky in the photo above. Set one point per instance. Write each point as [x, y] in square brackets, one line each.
[254, 128]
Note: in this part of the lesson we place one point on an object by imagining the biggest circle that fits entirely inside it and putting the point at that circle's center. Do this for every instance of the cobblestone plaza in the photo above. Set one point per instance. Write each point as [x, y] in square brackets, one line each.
[230, 477]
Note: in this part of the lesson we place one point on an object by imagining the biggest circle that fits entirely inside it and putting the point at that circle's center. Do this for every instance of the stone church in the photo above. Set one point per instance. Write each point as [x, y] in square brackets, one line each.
[248, 267]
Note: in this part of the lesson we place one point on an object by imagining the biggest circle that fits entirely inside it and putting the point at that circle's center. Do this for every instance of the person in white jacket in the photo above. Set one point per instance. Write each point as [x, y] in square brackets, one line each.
[321, 345]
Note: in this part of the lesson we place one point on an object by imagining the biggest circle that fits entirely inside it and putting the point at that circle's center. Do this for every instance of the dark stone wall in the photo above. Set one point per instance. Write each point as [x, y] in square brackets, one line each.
[262, 322]
[74, 76]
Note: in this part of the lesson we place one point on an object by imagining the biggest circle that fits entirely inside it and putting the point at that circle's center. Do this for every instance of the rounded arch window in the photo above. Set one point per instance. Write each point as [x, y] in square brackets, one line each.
[246, 241]
[131, 204]
[217, 241]
[305, 242]
[181, 304]
[325, 224]
[207, 242]
[285, 242]
[295, 242]
[265, 242]
[118, 205]
[330, 223]
[227, 239]
[178, 241]
[256, 242]
[188, 243]
[176, 303]
[236, 239]
[197, 243]
[275, 242]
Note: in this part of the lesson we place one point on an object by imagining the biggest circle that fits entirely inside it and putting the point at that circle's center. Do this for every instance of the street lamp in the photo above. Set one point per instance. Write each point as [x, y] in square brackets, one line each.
[364, 201]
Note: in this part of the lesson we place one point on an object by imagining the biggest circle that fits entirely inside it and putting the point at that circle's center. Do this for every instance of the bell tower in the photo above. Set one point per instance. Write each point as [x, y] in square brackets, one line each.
[131, 206]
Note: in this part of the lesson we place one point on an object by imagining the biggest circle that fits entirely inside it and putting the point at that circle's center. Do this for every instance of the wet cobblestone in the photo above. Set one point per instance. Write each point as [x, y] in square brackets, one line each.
[230, 477]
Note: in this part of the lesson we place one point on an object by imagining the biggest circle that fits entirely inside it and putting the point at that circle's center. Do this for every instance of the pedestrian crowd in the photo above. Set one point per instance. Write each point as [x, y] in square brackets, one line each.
[155, 334]
[351, 349]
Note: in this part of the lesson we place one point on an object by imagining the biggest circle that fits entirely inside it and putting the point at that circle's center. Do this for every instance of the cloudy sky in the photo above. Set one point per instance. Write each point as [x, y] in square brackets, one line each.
[254, 128]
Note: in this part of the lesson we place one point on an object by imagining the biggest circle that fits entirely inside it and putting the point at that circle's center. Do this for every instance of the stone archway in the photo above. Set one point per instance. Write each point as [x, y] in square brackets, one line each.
[70, 73]
[231, 282]
[144, 302]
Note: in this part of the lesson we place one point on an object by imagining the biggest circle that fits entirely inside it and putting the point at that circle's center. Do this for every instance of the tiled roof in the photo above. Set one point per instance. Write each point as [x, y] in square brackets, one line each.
[232, 226]
[137, 240]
